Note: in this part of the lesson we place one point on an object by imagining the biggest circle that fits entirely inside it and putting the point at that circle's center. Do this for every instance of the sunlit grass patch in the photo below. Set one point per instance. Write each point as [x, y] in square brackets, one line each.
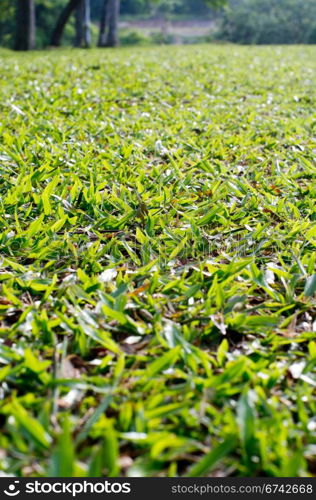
[158, 231]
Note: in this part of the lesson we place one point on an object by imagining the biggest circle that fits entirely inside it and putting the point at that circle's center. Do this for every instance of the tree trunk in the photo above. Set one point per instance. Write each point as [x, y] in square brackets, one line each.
[113, 20]
[62, 21]
[83, 34]
[25, 25]
[79, 25]
[103, 24]
[86, 24]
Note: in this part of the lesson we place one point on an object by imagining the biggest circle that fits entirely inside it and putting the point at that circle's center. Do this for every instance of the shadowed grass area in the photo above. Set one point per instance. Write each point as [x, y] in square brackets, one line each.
[157, 270]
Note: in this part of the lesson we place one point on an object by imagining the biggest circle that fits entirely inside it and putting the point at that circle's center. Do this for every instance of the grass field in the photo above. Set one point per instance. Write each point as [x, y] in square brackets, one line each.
[157, 270]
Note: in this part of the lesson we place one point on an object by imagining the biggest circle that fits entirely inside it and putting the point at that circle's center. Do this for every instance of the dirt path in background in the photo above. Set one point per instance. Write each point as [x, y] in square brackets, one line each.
[191, 28]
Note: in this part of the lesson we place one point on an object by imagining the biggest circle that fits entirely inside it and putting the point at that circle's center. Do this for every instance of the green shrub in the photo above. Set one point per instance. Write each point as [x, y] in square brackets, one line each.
[134, 37]
[269, 22]
[160, 38]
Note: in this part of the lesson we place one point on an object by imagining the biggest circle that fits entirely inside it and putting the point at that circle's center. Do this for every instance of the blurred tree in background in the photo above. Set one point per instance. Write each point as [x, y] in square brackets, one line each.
[83, 24]
[60, 21]
[25, 25]
[7, 22]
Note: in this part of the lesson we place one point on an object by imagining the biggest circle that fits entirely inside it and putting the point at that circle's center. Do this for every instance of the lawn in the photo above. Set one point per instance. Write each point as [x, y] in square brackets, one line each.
[157, 269]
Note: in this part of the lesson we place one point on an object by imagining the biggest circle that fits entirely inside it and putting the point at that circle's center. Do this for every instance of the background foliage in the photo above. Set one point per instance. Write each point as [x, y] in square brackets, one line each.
[269, 22]
[243, 21]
